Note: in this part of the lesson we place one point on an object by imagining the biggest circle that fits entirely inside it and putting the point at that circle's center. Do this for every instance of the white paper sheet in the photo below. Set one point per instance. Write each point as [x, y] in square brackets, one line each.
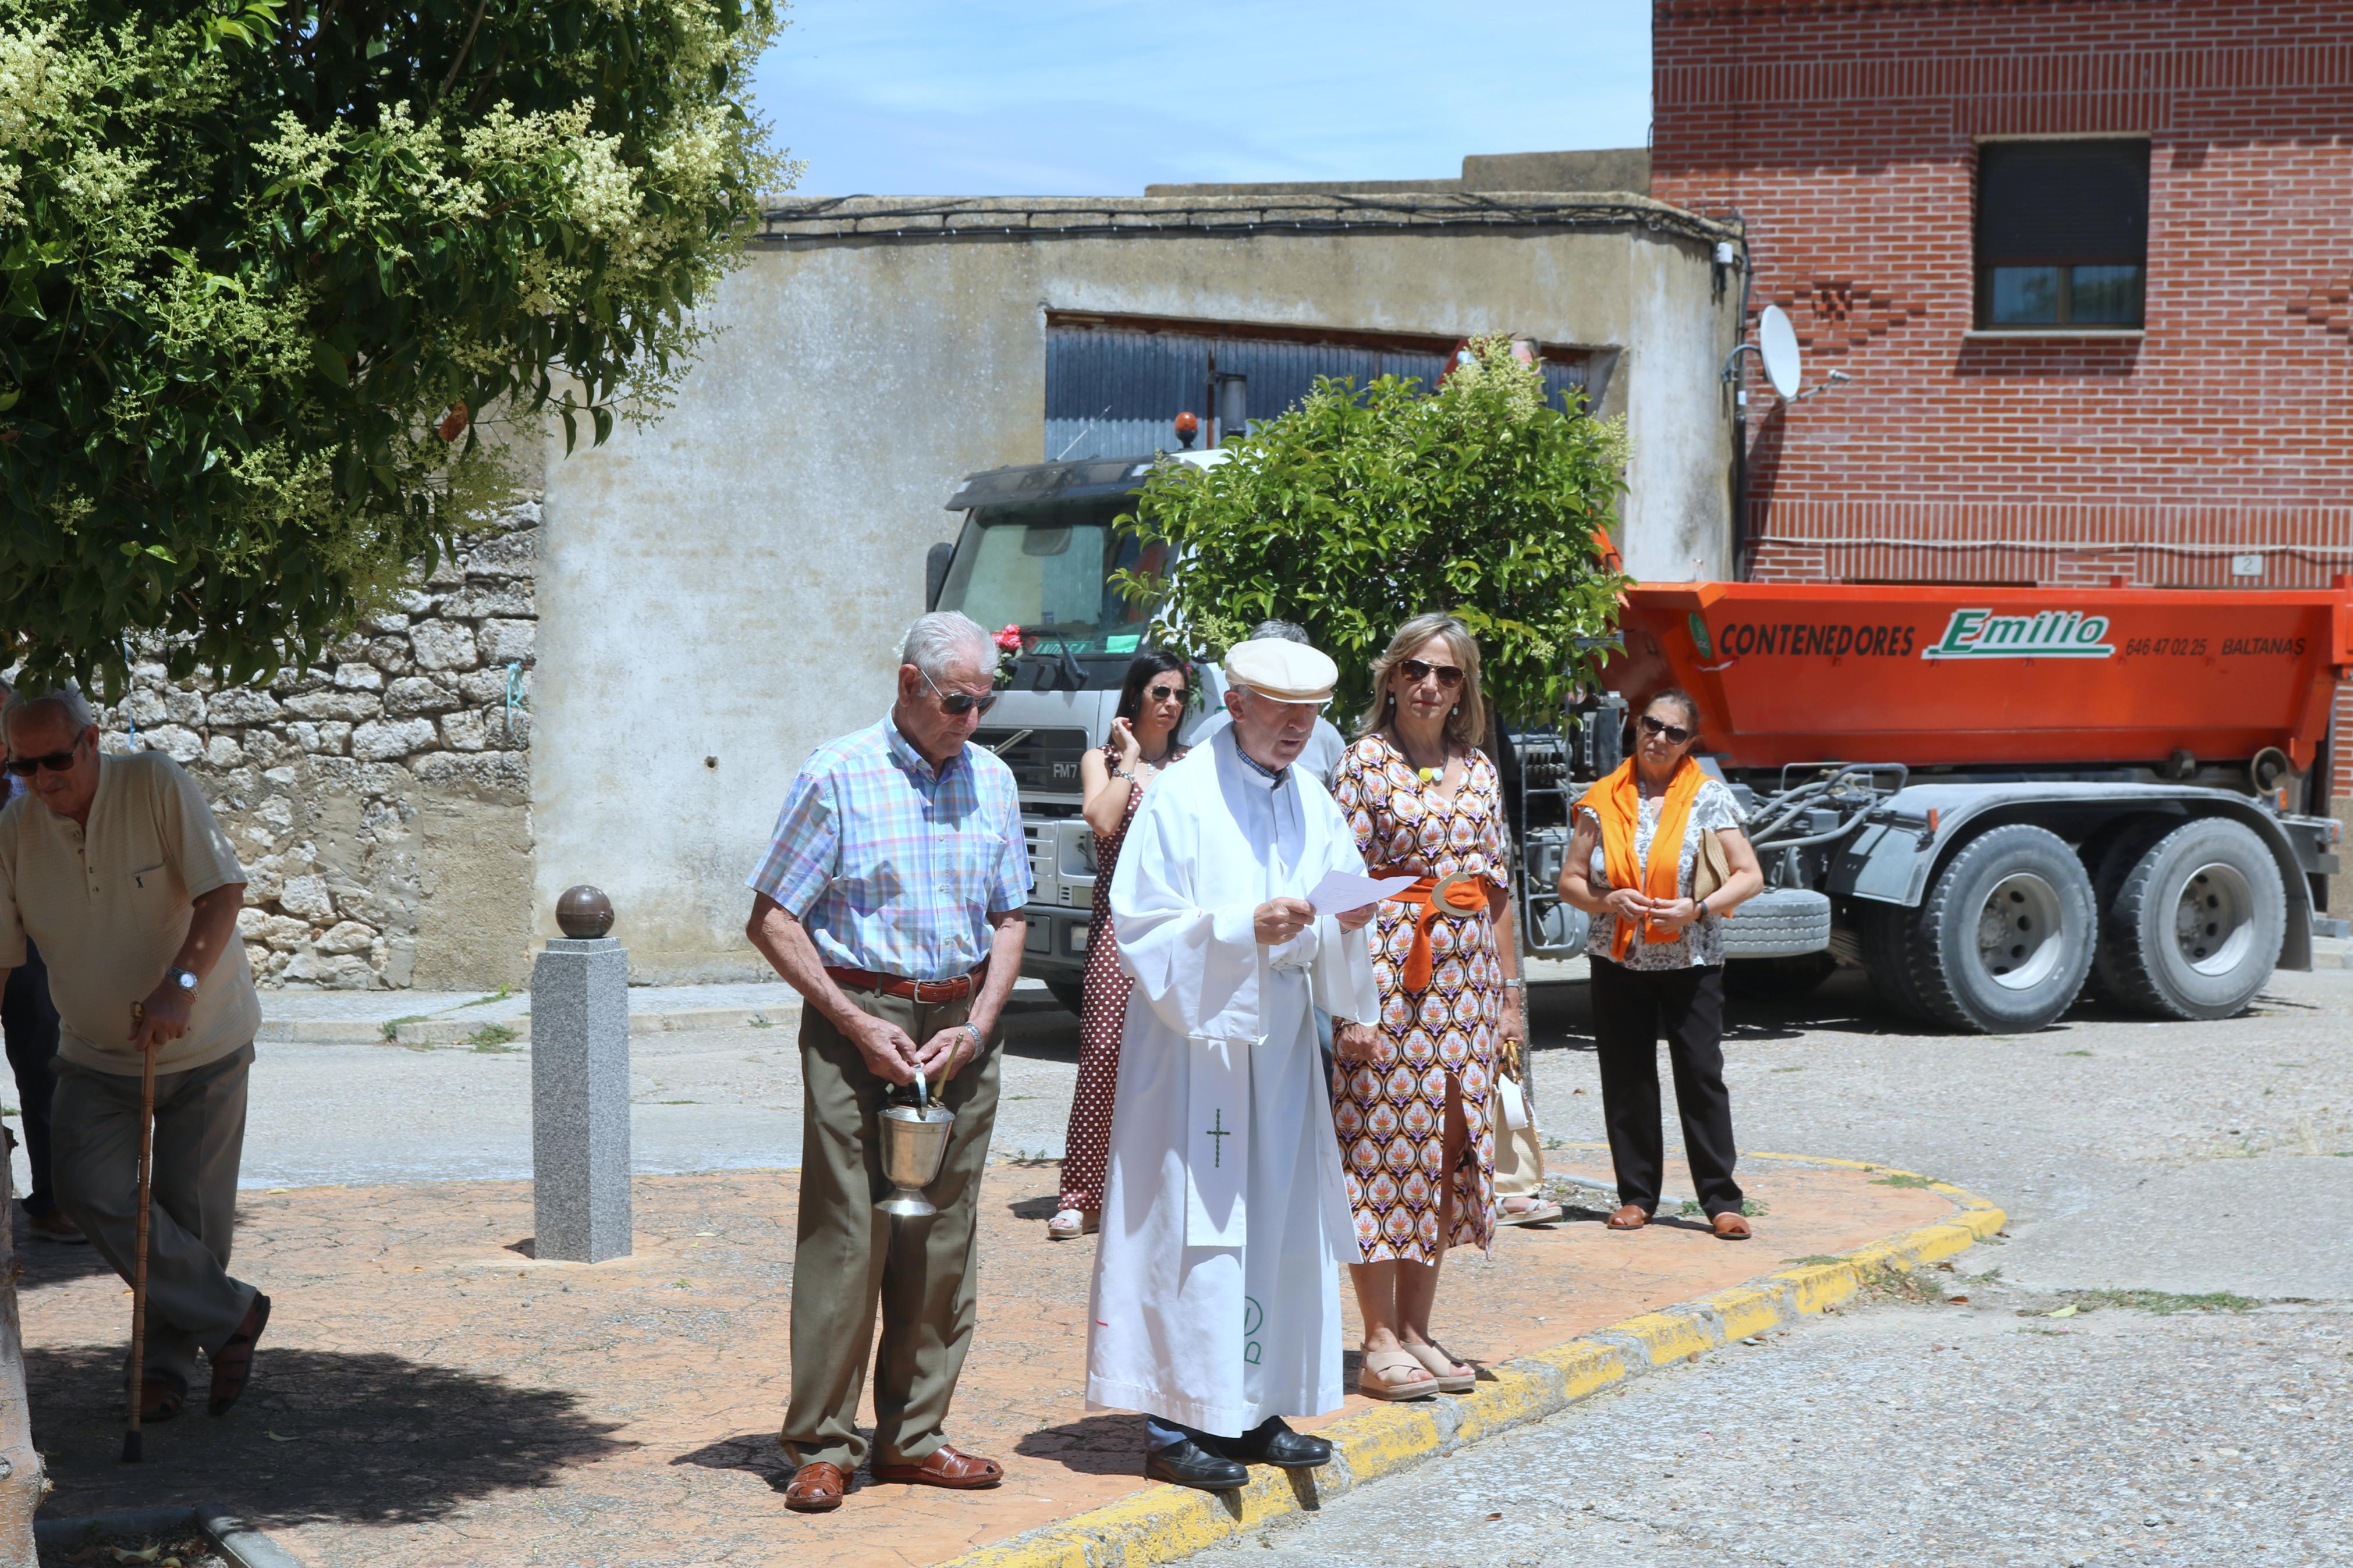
[1341, 891]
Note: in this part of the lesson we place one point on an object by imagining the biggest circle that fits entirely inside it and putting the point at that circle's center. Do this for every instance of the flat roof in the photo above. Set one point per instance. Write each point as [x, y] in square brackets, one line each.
[823, 218]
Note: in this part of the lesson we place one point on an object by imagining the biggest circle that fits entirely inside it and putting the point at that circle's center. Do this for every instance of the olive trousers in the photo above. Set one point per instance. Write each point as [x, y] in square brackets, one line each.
[849, 1257]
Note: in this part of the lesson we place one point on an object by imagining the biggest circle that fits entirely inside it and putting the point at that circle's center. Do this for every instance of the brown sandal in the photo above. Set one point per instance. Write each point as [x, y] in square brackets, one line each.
[944, 1467]
[1633, 1217]
[815, 1487]
[1730, 1227]
[160, 1395]
[233, 1362]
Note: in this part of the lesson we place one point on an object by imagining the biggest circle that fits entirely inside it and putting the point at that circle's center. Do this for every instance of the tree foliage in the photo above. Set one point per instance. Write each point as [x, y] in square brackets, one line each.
[269, 267]
[1363, 507]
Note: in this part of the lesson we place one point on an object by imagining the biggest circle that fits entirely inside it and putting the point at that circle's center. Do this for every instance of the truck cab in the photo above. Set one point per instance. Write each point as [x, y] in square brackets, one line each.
[1037, 552]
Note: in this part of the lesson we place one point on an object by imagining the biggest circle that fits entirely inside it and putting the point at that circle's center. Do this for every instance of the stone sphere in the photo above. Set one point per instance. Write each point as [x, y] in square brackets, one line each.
[584, 913]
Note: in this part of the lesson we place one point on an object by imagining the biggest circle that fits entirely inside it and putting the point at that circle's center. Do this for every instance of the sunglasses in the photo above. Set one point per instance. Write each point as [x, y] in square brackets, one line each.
[1165, 693]
[1448, 676]
[956, 704]
[1675, 733]
[56, 761]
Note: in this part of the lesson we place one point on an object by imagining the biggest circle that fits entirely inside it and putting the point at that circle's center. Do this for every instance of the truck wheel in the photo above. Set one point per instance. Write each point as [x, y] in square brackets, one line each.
[1887, 940]
[1778, 978]
[1069, 993]
[2197, 926]
[2111, 861]
[2005, 938]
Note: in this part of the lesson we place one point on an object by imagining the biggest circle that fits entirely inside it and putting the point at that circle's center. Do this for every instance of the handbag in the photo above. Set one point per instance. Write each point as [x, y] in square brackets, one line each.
[1713, 868]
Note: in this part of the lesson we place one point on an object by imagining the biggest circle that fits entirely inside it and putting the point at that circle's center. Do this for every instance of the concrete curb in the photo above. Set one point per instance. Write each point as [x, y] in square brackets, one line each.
[1167, 1522]
[238, 1541]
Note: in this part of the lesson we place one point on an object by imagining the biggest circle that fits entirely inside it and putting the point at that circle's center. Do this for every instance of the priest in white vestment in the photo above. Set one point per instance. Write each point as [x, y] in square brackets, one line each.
[1216, 1306]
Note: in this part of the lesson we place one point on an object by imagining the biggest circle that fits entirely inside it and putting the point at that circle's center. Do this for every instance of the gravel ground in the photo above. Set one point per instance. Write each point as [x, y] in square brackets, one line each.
[2144, 1166]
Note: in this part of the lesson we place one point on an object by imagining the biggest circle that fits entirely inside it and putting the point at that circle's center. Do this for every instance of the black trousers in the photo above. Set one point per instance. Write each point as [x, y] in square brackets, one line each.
[1631, 1007]
[30, 1022]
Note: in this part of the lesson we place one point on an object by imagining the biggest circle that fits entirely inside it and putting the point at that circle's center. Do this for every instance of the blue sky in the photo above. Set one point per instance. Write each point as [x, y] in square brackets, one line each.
[1101, 97]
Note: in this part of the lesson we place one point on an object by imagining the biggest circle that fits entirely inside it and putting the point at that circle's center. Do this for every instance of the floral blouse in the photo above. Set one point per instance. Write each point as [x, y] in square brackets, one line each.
[1701, 942]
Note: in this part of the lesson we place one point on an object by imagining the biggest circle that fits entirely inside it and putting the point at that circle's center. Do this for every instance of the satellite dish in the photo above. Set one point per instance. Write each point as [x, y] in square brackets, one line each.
[1776, 345]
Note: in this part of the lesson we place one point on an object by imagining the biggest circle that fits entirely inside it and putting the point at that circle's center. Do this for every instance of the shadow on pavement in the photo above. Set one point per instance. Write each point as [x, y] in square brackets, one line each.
[1093, 1444]
[50, 1262]
[360, 1438]
[754, 1453]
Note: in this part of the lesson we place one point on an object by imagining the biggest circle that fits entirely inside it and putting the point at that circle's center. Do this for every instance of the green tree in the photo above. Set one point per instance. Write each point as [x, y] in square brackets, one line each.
[269, 267]
[1363, 507]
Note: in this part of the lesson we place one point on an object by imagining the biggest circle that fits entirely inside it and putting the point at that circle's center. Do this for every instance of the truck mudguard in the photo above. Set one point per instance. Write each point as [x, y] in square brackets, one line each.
[1906, 837]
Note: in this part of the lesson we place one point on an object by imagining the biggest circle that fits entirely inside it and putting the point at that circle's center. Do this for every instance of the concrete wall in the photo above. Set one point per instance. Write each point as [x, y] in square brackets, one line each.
[721, 591]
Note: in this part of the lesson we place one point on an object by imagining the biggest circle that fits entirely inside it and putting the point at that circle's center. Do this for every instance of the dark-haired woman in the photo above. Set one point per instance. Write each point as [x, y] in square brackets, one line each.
[1143, 742]
[1658, 957]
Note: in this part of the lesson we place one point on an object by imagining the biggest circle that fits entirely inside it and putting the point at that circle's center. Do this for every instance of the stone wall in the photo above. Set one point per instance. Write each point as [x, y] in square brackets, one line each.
[380, 801]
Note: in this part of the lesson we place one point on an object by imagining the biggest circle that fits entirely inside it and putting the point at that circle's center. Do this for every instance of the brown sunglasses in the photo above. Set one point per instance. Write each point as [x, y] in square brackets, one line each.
[56, 761]
[1448, 676]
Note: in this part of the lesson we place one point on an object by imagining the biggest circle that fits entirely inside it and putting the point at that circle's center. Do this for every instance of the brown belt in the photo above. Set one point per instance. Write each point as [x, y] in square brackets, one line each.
[926, 992]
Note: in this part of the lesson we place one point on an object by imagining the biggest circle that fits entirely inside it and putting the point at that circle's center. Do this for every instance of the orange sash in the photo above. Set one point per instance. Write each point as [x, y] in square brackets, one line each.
[1459, 894]
[1617, 801]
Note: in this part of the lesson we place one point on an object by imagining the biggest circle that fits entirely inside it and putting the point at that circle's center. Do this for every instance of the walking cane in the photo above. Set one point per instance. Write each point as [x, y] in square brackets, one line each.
[132, 1450]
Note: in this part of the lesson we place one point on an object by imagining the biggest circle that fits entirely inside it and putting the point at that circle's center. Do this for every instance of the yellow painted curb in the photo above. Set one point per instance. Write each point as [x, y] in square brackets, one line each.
[1164, 1523]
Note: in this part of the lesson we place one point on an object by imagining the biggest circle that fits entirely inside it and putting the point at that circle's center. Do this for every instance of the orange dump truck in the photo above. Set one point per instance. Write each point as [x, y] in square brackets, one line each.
[1990, 797]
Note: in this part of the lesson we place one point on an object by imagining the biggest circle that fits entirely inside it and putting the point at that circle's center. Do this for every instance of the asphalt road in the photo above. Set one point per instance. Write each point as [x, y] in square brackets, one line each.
[2146, 1167]
[2171, 1160]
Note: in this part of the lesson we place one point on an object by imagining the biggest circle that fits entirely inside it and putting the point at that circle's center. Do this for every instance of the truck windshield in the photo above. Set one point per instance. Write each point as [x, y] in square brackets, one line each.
[1048, 569]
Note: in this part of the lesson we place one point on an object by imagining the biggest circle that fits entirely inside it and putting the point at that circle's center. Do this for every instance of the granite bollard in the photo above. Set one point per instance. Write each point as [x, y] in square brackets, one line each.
[580, 1087]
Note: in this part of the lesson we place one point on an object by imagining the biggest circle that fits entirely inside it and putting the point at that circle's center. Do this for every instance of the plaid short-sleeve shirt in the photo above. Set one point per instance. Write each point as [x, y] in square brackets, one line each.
[893, 867]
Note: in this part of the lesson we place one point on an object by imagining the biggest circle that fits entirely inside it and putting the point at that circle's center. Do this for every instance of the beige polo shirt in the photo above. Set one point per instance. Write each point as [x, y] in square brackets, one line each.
[109, 906]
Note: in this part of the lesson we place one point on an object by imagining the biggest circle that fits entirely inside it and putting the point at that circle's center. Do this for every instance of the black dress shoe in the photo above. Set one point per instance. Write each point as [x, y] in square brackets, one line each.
[1188, 1464]
[1272, 1442]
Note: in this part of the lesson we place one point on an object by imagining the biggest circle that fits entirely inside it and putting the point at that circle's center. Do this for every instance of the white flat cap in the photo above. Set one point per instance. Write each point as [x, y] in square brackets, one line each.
[1286, 671]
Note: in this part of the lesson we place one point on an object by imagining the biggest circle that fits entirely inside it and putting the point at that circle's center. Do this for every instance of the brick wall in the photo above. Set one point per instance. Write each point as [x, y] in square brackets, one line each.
[2226, 429]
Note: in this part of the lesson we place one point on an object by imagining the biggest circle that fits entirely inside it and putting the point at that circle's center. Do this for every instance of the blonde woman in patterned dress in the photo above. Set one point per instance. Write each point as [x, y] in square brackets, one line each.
[1143, 742]
[1412, 1099]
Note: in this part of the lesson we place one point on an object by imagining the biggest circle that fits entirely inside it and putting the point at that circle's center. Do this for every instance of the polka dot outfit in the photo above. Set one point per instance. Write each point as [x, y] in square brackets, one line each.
[1390, 1113]
[1103, 1015]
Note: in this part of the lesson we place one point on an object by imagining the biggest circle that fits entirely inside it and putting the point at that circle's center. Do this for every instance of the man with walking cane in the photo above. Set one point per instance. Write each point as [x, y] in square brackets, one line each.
[115, 866]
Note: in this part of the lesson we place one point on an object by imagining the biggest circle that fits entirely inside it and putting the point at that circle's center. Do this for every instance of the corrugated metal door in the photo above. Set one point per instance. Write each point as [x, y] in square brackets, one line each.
[1114, 391]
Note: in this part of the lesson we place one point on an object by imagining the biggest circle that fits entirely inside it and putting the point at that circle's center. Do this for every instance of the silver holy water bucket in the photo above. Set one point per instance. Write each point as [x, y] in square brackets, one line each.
[914, 1147]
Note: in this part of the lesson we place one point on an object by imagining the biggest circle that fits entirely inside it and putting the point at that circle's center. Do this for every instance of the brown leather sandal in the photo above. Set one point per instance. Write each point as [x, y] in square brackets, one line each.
[1730, 1227]
[817, 1487]
[233, 1362]
[943, 1467]
[161, 1397]
[1633, 1217]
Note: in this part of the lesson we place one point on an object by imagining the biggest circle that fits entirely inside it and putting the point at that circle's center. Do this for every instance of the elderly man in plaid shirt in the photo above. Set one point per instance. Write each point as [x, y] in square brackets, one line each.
[890, 899]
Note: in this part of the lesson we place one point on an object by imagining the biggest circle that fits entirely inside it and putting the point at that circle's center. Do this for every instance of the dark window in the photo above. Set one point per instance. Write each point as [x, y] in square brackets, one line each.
[2062, 233]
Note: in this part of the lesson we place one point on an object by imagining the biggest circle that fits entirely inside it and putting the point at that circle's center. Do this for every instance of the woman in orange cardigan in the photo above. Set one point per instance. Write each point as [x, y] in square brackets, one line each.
[1658, 957]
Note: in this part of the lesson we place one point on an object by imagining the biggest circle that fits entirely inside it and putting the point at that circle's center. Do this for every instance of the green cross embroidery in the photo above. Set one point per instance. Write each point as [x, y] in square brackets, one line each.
[1217, 1151]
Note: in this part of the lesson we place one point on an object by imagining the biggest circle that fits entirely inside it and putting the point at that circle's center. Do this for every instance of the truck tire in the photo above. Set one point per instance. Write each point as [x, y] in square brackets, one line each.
[2196, 928]
[1887, 938]
[1780, 923]
[1070, 994]
[2004, 941]
[1778, 978]
[2111, 860]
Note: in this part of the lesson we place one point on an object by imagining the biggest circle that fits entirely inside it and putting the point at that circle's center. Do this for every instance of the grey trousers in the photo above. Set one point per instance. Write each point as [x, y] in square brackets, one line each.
[192, 1302]
[847, 1256]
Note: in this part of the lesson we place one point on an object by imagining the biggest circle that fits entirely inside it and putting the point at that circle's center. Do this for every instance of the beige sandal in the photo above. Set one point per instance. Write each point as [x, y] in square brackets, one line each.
[1442, 1363]
[1069, 1224]
[1373, 1381]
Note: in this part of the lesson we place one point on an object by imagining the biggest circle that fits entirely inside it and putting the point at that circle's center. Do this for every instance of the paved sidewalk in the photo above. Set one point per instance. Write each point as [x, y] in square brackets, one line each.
[428, 1394]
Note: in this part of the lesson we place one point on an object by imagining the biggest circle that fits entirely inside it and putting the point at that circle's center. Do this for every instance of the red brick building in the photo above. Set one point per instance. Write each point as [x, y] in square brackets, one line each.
[2088, 262]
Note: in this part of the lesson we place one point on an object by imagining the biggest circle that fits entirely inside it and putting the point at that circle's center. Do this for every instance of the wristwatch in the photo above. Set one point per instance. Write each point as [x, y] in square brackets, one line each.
[183, 979]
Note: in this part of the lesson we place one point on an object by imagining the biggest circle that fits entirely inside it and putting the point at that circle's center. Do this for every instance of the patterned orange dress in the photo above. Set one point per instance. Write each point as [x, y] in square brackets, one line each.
[1391, 1112]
